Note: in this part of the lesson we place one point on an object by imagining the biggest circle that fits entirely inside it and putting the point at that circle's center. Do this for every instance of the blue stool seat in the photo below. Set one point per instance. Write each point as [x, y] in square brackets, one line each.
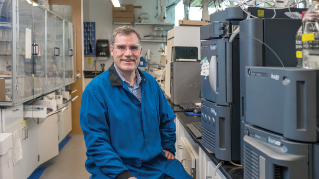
[90, 177]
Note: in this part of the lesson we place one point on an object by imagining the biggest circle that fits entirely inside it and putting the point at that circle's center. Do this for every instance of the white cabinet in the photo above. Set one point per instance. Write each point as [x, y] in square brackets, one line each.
[48, 144]
[30, 147]
[65, 121]
[68, 119]
[210, 171]
[203, 159]
[190, 159]
[6, 167]
[18, 169]
[11, 117]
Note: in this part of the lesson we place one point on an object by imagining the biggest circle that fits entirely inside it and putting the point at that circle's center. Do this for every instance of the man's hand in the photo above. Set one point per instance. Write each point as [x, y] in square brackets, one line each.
[168, 154]
[132, 178]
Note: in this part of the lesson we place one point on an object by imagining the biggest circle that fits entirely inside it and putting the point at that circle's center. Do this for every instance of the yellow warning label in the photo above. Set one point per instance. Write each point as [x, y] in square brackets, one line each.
[90, 61]
[308, 37]
[261, 13]
[299, 54]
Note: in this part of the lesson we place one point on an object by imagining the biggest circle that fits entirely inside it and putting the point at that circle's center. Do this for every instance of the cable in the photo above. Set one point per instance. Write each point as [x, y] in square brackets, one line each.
[262, 43]
[237, 165]
[317, 129]
[236, 168]
[217, 167]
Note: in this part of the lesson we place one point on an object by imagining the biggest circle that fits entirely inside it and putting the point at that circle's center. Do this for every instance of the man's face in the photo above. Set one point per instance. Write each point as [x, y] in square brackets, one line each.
[126, 52]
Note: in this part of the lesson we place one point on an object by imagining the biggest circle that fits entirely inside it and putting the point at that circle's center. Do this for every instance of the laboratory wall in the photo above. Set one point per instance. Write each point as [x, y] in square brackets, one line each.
[100, 12]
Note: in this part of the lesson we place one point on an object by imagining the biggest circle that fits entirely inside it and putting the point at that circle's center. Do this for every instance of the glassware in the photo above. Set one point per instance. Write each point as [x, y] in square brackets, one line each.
[1, 37]
[2, 48]
[8, 49]
[310, 37]
[5, 35]
[299, 48]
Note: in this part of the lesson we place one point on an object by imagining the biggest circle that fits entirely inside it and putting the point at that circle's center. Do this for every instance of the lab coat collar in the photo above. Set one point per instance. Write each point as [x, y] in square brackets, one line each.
[115, 79]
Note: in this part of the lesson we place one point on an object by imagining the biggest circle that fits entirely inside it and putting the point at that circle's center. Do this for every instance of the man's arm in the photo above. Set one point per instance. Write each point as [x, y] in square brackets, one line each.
[167, 125]
[97, 137]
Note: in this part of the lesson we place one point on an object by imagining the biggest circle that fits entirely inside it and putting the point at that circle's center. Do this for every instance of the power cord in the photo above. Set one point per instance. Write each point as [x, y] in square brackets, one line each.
[217, 167]
[237, 165]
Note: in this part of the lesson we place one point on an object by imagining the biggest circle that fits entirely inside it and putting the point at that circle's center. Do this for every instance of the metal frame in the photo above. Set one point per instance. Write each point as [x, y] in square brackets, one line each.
[16, 49]
[63, 52]
[46, 49]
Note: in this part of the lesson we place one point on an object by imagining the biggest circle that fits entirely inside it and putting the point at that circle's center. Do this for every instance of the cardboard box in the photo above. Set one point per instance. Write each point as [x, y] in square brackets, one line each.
[123, 14]
[192, 23]
[2, 89]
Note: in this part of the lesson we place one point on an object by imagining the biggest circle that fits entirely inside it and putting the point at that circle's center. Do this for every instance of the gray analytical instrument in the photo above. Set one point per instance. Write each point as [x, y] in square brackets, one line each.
[185, 82]
[270, 156]
[220, 90]
[283, 100]
[281, 123]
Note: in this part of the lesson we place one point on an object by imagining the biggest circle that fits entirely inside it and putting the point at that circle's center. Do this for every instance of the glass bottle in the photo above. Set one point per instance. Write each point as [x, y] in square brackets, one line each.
[310, 37]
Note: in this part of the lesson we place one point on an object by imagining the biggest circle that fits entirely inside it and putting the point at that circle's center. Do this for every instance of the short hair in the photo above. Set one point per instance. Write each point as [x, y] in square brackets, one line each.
[125, 30]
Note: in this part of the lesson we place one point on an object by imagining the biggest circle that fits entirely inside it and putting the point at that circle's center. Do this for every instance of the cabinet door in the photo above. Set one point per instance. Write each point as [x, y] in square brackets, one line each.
[11, 117]
[52, 52]
[48, 143]
[190, 159]
[203, 159]
[30, 147]
[61, 123]
[58, 61]
[68, 119]
[39, 38]
[179, 144]
[25, 62]
[18, 169]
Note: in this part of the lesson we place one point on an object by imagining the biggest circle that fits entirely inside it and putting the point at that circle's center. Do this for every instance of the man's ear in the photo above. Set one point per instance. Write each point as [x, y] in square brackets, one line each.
[111, 49]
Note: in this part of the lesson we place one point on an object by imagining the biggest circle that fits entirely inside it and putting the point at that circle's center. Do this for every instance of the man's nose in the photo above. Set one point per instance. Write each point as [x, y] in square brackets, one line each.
[128, 52]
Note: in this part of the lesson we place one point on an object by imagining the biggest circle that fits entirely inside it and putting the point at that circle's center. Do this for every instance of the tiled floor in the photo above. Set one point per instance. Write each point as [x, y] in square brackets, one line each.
[69, 164]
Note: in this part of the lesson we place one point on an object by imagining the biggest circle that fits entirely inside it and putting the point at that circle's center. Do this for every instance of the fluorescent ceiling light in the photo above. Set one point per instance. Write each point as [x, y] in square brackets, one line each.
[116, 3]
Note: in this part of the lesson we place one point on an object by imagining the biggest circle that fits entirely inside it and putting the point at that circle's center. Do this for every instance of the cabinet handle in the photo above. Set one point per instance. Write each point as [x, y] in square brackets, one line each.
[209, 177]
[23, 130]
[180, 146]
[15, 110]
[35, 47]
[27, 132]
[71, 52]
[56, 51]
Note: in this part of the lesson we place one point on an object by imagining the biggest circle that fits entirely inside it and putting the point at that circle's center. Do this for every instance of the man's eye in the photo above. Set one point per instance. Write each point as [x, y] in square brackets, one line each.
[134, 47]
[121, 47]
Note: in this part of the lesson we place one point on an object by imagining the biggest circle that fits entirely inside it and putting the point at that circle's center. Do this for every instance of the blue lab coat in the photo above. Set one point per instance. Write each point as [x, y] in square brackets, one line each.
[121, 133]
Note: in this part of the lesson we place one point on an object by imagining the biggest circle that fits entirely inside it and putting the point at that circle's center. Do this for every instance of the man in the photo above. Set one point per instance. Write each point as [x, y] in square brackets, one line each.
[128, 125]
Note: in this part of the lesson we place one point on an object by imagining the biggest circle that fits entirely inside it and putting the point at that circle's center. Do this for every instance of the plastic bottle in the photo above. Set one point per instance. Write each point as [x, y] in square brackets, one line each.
[310, 37]
[299, 48]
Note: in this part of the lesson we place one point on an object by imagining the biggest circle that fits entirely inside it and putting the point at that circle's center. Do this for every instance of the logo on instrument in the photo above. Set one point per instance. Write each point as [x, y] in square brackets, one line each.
[275, 77]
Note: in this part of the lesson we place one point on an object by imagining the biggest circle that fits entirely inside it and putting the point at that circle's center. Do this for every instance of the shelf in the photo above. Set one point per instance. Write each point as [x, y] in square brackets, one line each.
[122, 23]
[162, 41]
[154, 24]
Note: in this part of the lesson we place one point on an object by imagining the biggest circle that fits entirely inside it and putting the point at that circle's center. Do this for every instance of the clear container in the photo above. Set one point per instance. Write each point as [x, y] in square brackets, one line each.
[6, 35]
[299, 48]
[310, 37]
[3, 48]
[1, 37]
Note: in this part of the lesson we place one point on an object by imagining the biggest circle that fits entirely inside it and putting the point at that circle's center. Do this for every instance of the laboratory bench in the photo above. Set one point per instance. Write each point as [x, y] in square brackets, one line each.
[228, 171]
